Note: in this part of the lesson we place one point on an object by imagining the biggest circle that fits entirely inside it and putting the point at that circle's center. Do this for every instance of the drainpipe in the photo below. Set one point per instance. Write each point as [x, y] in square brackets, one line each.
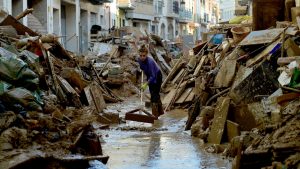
[109, 17]
[77, 23]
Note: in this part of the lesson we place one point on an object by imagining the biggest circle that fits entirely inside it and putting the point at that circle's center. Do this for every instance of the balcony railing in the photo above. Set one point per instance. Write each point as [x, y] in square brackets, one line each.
[99, 2]
[125, 4]
[185, 15]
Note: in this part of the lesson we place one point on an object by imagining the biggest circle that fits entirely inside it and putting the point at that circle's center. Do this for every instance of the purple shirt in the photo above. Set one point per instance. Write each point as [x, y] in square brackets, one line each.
[150, 68]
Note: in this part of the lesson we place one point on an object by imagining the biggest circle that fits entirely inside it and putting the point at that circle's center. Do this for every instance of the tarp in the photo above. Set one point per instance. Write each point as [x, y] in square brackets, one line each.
[16, 71]
[23, 97]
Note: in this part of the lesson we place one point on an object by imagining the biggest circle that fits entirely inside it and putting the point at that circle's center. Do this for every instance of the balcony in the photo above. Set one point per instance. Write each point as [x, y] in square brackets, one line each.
[185, 15]
[125, 4]
[99, 2]
[172, 9]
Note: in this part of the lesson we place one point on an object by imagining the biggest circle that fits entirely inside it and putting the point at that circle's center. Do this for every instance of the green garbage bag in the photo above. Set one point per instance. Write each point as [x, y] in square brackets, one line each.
[21, 96]
[295, 81]
[16, 71]
[4, 87]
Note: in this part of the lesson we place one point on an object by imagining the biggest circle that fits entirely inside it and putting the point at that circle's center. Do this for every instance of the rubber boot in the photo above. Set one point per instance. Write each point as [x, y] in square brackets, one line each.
[160, 108]
[155, 110]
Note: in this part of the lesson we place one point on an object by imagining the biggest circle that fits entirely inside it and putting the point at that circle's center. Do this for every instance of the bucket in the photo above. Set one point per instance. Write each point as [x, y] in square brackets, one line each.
[239, 33]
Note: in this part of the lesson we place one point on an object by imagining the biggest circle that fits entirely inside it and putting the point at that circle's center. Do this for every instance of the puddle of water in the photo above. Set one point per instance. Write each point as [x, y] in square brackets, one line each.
[166, 149]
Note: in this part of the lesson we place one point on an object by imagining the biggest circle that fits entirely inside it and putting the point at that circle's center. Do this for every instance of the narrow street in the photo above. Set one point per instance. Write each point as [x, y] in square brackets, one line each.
[163, 145]
[152, 84]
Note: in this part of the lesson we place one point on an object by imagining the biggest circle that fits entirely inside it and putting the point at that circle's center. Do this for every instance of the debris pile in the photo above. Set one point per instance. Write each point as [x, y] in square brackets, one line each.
[48, 102]
[242, 89]
[51, 98]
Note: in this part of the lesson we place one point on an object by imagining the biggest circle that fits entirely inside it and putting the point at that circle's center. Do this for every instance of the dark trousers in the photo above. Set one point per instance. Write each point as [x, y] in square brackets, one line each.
[155, 89]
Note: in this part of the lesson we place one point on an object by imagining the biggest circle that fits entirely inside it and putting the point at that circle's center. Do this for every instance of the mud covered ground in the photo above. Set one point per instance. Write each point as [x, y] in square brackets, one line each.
[163, 145]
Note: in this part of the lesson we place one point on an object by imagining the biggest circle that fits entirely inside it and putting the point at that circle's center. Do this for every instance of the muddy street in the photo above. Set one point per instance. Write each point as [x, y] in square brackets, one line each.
[162, 145]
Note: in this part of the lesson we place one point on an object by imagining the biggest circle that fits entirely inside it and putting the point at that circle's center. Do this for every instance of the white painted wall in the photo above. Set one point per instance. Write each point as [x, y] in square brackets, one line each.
[83, 31]
[71, 28]
[113, 12]
[7, 5]
[18, 6]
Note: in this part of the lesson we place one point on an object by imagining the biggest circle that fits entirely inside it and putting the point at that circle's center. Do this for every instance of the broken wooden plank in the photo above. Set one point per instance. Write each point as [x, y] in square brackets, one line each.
[199, 66]
[139, 118]
[199, 47]
[168, 97]
[220, 117]
[106, 91]
[66, 86]
[190, 97]
[58, 90]
[287, 60]
[24, 13]
[233, 130]
[287, 97]
[146, 117]
[291, 48]
[110, 99]
[175, 68]
[178, 76]
[97, 97]
[226, 74]
[113, 52]
[183, 97]
[88, 96]
[163, 62]
[20, 28]
[179, 89]
[69, 91]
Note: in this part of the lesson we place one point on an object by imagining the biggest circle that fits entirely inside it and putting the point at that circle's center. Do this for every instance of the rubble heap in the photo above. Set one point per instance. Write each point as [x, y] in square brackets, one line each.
[48, 102]
[242, 89]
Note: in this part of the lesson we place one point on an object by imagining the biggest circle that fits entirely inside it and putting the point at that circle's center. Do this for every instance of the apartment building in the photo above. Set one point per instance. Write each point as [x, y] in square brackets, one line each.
[232, 8]
[71, 20]
[186, 17]
[135, 13]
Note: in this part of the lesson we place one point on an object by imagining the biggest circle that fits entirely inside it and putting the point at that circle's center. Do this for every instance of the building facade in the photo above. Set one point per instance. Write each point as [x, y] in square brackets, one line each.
[71, 20]
[231, 8]
[227, 9]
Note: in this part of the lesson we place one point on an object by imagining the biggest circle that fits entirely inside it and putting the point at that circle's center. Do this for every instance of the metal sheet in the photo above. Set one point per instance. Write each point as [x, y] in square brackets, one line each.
[261, 37]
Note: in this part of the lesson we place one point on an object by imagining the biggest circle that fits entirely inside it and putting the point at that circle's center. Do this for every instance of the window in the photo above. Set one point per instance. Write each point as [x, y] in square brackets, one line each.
[101, 20]
[153, 29]
[176, 7]
[123, 21]
[159, 6]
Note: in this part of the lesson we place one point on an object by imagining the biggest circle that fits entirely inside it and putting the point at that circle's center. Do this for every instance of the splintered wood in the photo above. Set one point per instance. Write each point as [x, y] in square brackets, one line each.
[219, 121]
